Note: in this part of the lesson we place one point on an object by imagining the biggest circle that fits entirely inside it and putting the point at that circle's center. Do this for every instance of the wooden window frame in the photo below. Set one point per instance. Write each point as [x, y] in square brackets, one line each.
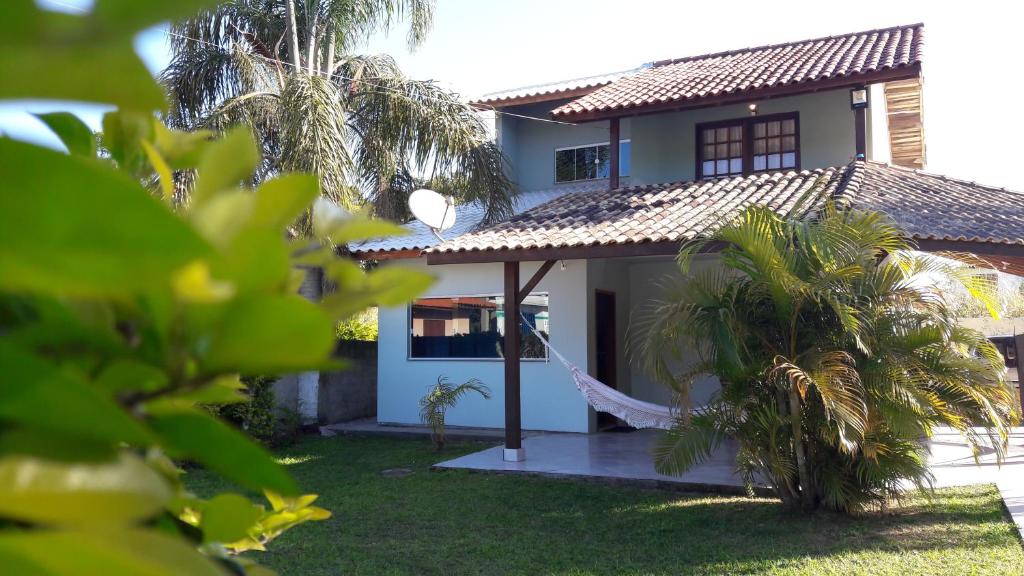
[748, 142]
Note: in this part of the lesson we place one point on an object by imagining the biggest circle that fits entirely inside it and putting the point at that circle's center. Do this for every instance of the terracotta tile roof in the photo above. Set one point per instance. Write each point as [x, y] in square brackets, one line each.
[467, 219]
[926, 205]
[661, 213]
[551, 90]
[856, 57]
[934, 207]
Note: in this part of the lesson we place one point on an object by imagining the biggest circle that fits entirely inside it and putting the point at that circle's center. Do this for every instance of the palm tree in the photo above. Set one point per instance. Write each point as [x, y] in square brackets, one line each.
[286, 68]
[442, 396]
[835, 353]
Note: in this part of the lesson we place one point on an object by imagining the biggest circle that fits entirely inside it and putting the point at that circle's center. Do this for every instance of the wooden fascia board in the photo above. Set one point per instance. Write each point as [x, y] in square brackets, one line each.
[388, 254]
[535, 98]
[808, 87]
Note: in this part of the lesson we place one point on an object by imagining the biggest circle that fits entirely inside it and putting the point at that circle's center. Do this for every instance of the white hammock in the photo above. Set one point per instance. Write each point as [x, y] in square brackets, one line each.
[604, 398]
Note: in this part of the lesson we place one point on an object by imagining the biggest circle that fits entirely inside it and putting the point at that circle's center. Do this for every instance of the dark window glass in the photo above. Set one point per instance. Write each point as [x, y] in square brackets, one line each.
[590, 162]
[565, 165]
[473, 327]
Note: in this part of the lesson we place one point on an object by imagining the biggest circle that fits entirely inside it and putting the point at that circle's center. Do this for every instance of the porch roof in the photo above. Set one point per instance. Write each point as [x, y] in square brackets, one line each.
[835, 61]
[940, 213]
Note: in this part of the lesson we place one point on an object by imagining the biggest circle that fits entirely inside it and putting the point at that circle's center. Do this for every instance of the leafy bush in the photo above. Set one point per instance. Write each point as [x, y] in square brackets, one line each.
[362, 326]
[260, 416]
[440, 398]
[835, 361]
[121, 317]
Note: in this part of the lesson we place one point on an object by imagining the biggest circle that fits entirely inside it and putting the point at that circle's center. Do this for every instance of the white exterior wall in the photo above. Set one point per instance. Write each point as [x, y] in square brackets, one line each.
[550, 400]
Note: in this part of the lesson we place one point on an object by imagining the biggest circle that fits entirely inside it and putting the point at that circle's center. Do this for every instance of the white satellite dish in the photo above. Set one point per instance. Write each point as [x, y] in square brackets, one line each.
[433, 209]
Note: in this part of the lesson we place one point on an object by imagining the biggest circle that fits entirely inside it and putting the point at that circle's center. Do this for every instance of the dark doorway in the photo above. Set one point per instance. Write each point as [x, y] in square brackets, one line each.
[605, 348]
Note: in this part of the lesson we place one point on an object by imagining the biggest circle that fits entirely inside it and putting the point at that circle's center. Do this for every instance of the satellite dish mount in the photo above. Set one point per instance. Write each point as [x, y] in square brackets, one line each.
[435, 211]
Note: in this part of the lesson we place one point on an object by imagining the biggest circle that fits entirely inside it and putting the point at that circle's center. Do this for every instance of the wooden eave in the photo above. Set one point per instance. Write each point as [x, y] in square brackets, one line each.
[1004, 257]
[536, 98]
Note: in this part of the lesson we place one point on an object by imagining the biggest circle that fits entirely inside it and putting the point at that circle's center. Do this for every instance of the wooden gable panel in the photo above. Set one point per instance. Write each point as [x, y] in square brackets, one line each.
[905, 112]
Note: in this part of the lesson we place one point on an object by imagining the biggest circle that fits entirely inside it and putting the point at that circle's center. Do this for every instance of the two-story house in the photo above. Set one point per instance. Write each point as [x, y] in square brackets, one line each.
[616, 171]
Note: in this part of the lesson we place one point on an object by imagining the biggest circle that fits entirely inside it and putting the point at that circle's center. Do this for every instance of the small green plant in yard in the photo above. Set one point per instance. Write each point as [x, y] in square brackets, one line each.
[440, 398]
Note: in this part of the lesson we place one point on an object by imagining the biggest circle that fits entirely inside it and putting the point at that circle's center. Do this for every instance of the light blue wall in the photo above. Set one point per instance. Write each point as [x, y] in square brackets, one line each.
[646, 281]
[530, 144]
[550, 400]
[663, 145]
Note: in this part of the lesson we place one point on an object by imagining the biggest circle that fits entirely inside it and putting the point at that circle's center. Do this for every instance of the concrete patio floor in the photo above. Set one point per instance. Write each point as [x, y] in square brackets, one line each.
[626, 458]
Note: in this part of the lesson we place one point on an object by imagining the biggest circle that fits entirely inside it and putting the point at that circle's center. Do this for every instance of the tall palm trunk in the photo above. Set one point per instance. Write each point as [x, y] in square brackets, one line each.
[293, 37]
[806, 488]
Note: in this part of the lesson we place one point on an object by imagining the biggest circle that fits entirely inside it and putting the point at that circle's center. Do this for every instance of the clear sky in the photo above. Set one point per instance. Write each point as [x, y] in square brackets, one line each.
[973, 86]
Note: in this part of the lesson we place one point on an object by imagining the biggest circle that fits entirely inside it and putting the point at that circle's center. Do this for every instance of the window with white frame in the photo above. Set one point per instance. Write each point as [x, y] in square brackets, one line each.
[473, 327]
[589, 162]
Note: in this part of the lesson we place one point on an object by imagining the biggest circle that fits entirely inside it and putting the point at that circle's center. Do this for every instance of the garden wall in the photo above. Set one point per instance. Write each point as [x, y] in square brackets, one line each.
[351, 393]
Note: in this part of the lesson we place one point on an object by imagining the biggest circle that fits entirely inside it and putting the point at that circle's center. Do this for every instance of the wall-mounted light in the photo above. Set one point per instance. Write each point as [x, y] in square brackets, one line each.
[753, 109]
[859, 98]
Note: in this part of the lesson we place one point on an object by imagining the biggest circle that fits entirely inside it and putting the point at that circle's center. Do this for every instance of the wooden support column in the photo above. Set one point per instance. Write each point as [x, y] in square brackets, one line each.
[613, 153]
[513, 405]
[1018, 343]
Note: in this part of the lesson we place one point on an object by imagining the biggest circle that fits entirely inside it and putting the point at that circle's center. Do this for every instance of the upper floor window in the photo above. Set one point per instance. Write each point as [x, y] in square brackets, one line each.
[748, 145]
[589, 162]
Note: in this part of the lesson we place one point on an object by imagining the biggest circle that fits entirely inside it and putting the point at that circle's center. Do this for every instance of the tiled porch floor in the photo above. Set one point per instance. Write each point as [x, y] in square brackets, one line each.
[626, 457]
[608, 456]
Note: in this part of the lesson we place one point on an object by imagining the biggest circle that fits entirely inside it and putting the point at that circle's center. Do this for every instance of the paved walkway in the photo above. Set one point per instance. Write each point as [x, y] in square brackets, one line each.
[953, 465]
[626, 457]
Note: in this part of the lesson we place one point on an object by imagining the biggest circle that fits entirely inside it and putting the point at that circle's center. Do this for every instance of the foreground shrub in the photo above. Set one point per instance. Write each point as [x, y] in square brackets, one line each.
[835, 353]
[124, 312]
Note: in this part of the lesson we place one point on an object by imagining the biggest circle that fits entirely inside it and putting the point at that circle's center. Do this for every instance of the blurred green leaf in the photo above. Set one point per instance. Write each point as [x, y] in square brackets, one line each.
[221, 217]
[37, 393]
[129, 17]
[262, 335]
[364, 229]
[228, 517]
[279, 202]
[124, 132]
[125, 374]
[108, 553]
[213, 444]
[255, 260]
[225, 164]
[396, 285]
[117, 493]
[164, 175]
[180, 149]
[224, 390]
[73, 133]
[54, 445]
[73, 226]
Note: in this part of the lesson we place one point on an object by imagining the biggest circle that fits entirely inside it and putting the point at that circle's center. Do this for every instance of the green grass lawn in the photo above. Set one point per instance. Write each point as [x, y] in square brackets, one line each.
[457, 522]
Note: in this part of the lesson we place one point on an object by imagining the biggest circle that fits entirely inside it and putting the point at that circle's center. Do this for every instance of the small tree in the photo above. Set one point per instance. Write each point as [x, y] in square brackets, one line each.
[442, 396]
[836, 357]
